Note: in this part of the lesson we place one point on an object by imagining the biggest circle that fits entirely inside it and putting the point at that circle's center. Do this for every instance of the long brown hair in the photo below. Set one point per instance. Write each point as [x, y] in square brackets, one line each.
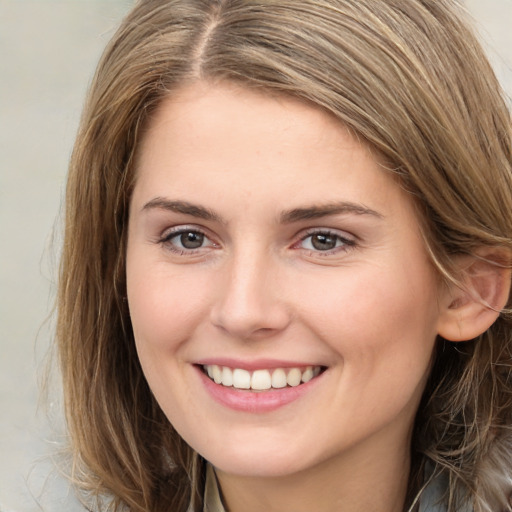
[407, 77]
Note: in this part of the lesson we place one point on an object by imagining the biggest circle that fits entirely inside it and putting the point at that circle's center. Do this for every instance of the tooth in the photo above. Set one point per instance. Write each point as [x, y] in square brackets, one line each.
[217, 374]
[308, 374]
[279, 378]
[227, 376]
[294, 376]
[241, 379]
[261, 380]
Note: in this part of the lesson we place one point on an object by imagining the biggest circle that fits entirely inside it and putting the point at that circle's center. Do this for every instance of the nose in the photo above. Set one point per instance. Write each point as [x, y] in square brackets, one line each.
[250, 303]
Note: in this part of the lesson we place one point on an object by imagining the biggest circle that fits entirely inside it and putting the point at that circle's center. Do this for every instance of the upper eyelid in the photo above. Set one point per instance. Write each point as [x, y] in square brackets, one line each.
[176, 230]
[329, 231]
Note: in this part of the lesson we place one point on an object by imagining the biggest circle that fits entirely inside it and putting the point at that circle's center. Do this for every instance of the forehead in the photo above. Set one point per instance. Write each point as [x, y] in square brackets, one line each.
[206, 141]
[202, 114]
[197, 105]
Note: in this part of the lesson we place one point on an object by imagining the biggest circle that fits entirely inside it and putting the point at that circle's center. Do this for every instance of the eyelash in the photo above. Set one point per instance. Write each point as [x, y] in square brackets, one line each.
[342, 243]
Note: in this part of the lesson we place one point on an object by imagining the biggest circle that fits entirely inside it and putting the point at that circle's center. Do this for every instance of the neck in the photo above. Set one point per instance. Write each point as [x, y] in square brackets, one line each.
[369, 477]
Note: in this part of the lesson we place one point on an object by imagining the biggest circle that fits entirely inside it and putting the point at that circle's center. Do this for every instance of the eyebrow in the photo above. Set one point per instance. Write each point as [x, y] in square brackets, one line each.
[319, 211]
[184, 207]
[286, 217]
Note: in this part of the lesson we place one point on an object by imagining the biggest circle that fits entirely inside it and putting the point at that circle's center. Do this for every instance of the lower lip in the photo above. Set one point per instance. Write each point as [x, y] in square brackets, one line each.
[255, 401]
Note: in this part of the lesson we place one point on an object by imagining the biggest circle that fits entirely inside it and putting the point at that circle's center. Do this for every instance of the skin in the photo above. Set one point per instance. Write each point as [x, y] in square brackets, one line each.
[256, 287]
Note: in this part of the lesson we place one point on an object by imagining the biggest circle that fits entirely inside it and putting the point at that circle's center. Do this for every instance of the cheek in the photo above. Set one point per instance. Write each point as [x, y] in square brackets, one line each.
[377, 322]
[166, 309]
[383, 334]
[164, 306]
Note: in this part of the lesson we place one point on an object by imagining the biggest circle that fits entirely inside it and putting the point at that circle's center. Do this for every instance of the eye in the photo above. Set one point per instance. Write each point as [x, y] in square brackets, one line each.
[186, 240]
[189, 240]
[325, 241]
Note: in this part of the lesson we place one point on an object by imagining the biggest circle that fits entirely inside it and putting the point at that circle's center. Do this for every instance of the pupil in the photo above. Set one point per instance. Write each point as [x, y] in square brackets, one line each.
[323, 242]
[191, 240]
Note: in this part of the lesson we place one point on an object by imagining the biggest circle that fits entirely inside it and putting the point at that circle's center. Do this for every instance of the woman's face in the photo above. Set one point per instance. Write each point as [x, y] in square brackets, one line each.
[268, 247]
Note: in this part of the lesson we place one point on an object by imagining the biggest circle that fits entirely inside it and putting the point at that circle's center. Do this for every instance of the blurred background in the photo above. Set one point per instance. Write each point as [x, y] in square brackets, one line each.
[48, 51]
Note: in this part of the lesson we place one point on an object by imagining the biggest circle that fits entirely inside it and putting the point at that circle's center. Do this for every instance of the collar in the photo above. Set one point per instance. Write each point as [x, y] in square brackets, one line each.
[212, 501]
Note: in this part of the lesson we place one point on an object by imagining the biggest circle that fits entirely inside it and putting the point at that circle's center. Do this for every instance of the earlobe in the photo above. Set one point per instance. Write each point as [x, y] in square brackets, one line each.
[470, 308]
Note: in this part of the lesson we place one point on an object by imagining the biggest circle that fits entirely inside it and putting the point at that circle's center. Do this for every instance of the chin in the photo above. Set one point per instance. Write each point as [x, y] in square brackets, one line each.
[259, 463]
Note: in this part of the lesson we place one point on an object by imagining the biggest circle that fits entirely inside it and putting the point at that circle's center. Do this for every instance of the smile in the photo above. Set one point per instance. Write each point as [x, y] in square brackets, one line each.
[261, 380]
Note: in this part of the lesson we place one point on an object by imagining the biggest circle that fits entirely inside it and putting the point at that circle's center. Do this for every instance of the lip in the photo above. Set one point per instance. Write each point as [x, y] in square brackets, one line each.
[257, 364]
[255, 402]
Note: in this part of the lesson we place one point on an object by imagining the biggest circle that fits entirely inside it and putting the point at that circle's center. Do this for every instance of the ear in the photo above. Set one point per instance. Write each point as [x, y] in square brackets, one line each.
[468, 309]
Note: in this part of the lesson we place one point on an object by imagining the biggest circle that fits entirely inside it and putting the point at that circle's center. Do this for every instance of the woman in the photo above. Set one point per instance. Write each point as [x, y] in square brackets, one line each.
[286, 273]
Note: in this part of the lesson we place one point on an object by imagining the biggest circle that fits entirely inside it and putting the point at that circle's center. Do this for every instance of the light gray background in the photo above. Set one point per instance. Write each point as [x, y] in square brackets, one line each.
[48, 50]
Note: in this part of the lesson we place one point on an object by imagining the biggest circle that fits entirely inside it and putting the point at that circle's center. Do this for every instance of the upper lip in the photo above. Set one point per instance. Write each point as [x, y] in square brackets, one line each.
[255, 364]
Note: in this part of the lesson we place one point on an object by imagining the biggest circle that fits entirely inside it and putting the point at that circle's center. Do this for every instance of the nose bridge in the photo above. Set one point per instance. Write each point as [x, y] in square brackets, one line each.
[250, 303]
